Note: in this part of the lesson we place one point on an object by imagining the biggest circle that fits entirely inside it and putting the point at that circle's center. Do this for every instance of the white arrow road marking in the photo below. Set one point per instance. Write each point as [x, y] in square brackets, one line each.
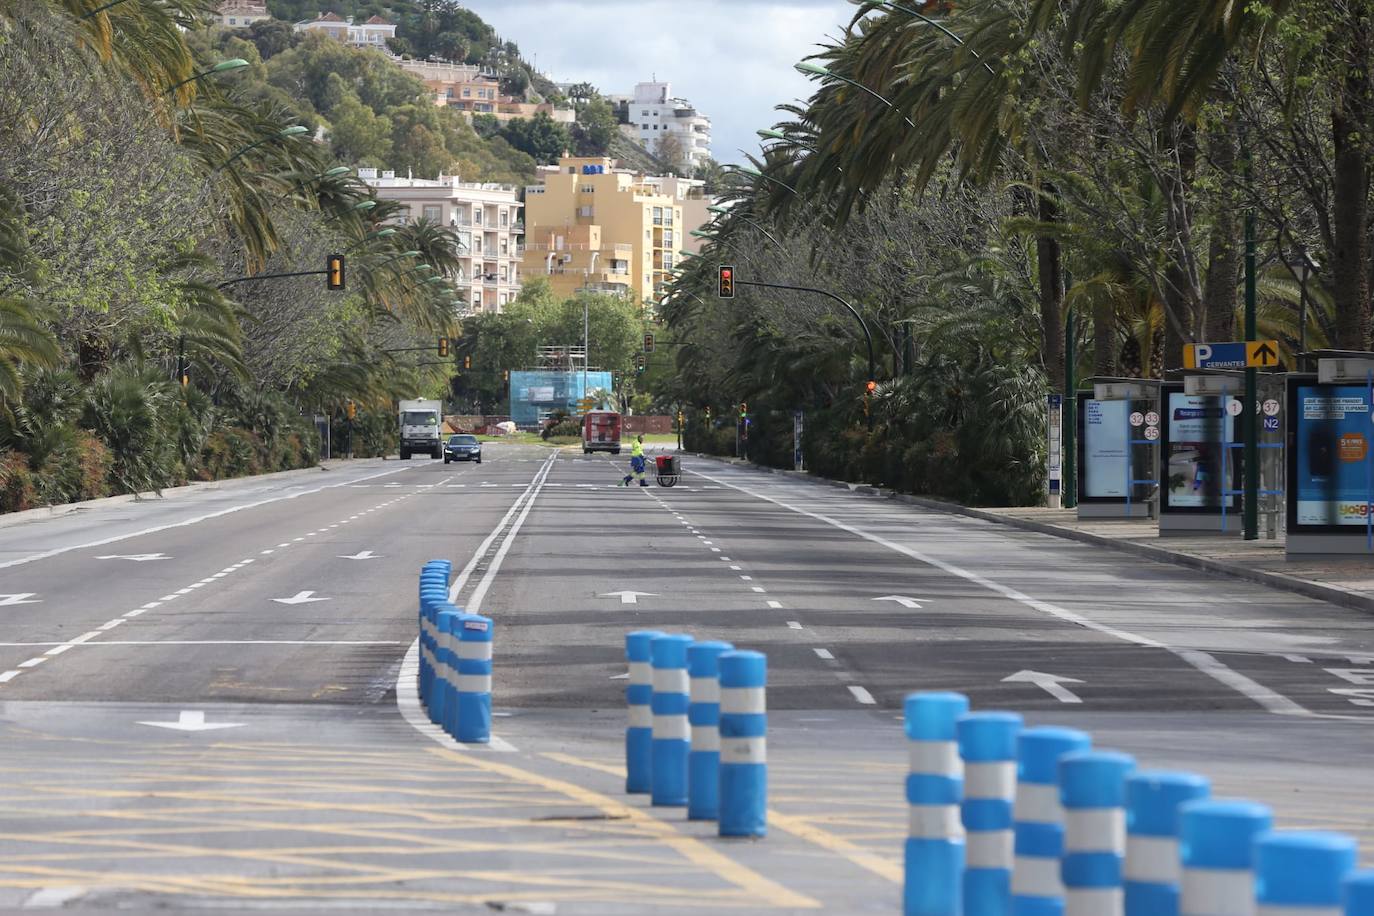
[20, 598]
[363, 555]
[903, 600]
[193, 720]
[1050, 683]
[136, 557]
[628, 597]
[299, 598]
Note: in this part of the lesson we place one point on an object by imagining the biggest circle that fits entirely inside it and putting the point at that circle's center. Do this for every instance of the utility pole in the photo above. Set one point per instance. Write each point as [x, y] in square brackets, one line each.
[1250, 423]
[1069, 498]
[586, 337]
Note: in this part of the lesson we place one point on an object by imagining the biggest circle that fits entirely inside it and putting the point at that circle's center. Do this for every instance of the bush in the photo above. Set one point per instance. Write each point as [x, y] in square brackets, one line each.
[17, 491]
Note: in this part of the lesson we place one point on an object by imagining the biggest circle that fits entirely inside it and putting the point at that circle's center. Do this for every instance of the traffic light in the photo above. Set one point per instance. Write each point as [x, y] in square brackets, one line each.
[726, 288]
[351, 409]
[467, 361]
[505, 375]
[443, 347]
[639, 365]
[648, 343]
[334, 271]
[708, 414]
[871, 387]
[743, 411]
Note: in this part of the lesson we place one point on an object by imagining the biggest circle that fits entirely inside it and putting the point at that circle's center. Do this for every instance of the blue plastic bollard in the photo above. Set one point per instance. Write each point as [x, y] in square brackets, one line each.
[672, 738]
[703, 715]
[1359, 894]
[1302, 872]
[441, 694]
[1153, 870]
[1216, 848]
[934, 852]
[743, 744]
[1092, 789]
[987, 745]
[1036, 889]
[431, 602]
[472, 679]
[445, 565]
[639, 731]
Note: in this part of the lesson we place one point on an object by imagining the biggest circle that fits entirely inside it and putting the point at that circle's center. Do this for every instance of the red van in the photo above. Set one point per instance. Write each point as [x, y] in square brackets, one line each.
[601, 432]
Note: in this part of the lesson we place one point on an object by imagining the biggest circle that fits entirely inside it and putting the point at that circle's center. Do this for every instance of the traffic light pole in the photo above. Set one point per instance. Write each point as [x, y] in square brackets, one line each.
[868, 337]
[297, 273]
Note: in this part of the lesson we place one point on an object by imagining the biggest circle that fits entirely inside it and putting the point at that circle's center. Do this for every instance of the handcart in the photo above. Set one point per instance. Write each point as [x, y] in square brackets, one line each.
[668, 470]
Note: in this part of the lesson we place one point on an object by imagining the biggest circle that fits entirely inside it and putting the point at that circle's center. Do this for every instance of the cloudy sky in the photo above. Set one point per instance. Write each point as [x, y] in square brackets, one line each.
[731, 58]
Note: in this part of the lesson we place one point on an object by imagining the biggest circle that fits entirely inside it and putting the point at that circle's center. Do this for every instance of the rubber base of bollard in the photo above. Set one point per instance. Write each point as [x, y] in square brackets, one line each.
[703, 785]
[1151, 899]
[743, 799]
[474, 718]
[934, 870]
[669, 764]
[639, 778]
[987, 891]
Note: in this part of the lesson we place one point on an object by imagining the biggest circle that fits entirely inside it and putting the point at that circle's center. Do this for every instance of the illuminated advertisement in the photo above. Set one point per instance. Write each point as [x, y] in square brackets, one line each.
[1332, 481]
[1105, 440]
[1195, 460]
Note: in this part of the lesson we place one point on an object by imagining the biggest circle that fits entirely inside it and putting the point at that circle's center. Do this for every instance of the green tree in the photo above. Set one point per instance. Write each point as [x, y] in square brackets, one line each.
[540, 137]
[358, 135]
[596, 127]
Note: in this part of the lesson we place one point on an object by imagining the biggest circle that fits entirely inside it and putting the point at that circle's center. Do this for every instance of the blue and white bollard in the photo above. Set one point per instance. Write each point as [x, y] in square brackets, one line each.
[934, 850]
[639, 731]
[1153, 870]
[441, 703]
[743, 744]
[1036, 889]
[1216, 847]
[1092, 789]
[1301, 873]
[472, 679]
[433, 598]
[672, 737]
[703, 715]
[1359, 894]
[987, 745]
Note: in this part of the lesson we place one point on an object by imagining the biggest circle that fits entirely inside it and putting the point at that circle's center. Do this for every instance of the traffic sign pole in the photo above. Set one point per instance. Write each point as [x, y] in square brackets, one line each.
[1250, 412]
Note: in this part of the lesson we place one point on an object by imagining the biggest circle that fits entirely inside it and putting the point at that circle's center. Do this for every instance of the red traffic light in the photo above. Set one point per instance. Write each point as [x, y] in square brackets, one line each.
[726, 286]
[872, 386]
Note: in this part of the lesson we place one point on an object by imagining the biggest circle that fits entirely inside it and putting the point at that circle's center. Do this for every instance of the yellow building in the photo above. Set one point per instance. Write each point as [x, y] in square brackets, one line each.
[590, 226]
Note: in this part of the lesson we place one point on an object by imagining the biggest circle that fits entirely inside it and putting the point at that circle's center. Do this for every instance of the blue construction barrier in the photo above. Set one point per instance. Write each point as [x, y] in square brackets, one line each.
[1036, 888]
[934, 852]
[639, 730]
[1092, 789]
[987, 745]
[1154, 869]
[454, 677]
[672, 736]
[703, 715]
[743, 744]
[1217, 854]
[471, 721]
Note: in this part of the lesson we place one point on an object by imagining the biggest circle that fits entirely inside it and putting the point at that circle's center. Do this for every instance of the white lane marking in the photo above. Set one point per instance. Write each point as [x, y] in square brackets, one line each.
[279, 546]
[110, 624]
[152, 604]
[19, 598]
[193, 720]
[863, 696]
[9, 676]
[1050, 683]
[57, 551]
[137, 612]
[715, 550]
[268, 551]
[480, 592]
[84, 637]
[462, 577]
[758, 588]
[824, 653]
[168, 598]
[726, 560]
[51, 898]
[304, 597]
[736, 568]
[33, 662]
[747, 578]
[58, 650]
[794, 625]
[1300, 659]
[136, 557]
[775, 605]
[1203, 662]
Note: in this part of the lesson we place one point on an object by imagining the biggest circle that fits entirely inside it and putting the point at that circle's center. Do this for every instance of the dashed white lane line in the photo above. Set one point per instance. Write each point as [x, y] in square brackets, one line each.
[775, 605]
[736, 568]
[825, 654]
[794, 625]
[110, 624]
[9, 676]
[33, 662]
[862, 695]
[747, 578]
[758, 588]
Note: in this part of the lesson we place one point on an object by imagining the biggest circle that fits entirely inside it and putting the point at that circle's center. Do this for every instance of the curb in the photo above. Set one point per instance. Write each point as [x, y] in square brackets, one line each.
[50, 512]
[1332, 594]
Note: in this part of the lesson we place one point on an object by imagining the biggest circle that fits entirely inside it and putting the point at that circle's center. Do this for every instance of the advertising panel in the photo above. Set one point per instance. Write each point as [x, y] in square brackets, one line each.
[1331, 439]
[1105, 440]
[1195, 459]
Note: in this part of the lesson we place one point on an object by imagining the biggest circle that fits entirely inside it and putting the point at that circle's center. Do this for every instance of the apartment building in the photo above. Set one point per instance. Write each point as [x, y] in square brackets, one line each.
[487, 218]
[238, 14]
[653, 113]
[468, 89]
[591, 226]
[372, 34]
[690, 195]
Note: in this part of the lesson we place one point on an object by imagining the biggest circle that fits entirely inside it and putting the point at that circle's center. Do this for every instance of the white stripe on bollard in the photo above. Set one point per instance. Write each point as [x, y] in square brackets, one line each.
[743, 750]
[743, 700]
[1152, 860]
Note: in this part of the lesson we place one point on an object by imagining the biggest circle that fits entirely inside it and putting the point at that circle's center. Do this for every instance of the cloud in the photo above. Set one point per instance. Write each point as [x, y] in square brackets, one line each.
[732, 58]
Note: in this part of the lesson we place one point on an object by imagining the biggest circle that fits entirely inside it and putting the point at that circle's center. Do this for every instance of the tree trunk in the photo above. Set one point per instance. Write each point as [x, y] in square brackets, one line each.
[1224, 249]
[1350, 123]
[1050, 266]
[1177, 285]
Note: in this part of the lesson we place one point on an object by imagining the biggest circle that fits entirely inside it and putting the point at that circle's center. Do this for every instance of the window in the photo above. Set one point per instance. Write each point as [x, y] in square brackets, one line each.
[467, 93]
[503, 273]
[505, 218]
[667, 262]
[572, 170]
[502, 300]
[505, 247]
[477, 216]
[434, 213]
[668, 216]
[645, 127]
[644, 113]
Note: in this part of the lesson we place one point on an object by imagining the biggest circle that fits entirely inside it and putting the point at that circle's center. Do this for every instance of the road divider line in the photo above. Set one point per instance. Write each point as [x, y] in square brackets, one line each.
[862, 695]
[794, 625]
[461, 579]
[1207, 664]
[775, 605]
[824, 653]
[480, 592]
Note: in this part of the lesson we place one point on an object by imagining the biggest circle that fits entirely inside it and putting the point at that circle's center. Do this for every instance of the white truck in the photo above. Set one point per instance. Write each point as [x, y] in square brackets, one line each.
[420, 428]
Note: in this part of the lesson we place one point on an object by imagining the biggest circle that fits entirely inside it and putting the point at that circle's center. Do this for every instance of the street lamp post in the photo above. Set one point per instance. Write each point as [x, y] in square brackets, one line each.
[1306, 269]
[284, 134]
[810, 69]
[224, 66]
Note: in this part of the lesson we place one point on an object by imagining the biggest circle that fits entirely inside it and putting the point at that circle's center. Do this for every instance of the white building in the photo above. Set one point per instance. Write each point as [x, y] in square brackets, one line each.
[488, 219]
[370, 34]
[238, 14]
[655, 113]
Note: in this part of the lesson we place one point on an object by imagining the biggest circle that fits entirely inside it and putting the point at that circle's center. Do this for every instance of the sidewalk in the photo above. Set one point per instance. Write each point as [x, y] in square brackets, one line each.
[1347, 581]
